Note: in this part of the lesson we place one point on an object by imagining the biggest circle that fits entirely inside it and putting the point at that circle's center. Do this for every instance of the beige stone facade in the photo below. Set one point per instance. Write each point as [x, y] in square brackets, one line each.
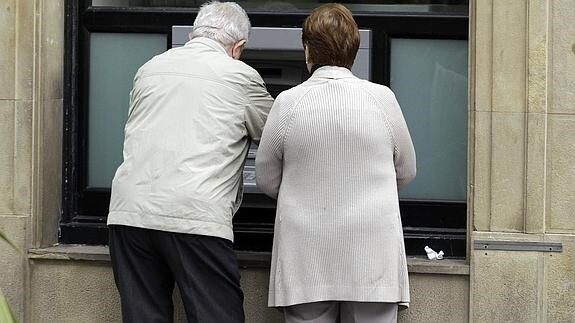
[522, 100]
[521, 173]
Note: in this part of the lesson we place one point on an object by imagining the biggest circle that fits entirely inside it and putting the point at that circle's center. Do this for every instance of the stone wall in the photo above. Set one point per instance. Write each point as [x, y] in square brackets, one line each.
[78, 286]
[31, 58]
[523, 94]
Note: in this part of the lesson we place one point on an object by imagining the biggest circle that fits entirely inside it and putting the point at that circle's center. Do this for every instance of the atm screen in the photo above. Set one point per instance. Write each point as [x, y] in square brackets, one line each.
[280, 70]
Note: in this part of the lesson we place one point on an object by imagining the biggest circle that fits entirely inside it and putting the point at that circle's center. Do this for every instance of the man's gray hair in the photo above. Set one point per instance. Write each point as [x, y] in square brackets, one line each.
[224, 22]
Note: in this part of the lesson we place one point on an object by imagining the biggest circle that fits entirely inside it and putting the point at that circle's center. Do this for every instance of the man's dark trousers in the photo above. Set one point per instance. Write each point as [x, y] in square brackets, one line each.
[147, 263]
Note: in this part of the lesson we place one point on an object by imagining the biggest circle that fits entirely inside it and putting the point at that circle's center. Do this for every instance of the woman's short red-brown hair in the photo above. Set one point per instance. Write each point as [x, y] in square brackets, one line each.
[331, 35]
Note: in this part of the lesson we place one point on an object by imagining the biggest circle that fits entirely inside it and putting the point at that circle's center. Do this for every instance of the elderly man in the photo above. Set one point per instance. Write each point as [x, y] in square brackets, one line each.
[192, 113]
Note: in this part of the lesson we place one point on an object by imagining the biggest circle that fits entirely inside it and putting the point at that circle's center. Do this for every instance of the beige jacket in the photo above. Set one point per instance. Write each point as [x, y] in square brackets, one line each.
[193, 111]
[334, 152]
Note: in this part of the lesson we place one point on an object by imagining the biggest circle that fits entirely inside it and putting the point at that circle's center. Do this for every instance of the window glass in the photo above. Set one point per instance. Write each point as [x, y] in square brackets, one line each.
[303, 5]
[114, 60]
[429, 78]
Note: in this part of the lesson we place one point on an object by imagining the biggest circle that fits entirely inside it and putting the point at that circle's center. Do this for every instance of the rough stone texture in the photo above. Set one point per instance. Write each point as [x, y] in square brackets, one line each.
[505, 286]
[6, 157]
[561, 174]
[537, 53]
[84, 291]
[15, 157]
[51, 41]
[15, 137]
[562, 69]
[509, 56]
[22, 157]
[560, 281]
[482, 179]
[507, 172]
[7, 48]
[12, 261]
[70, 291]
[255, 284]
[437, 299]
[49, 177]
[482, 58]
[24, 60]
[536, 172]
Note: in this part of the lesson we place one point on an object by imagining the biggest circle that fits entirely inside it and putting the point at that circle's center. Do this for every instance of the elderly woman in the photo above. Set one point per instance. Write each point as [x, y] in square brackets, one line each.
[334, 152]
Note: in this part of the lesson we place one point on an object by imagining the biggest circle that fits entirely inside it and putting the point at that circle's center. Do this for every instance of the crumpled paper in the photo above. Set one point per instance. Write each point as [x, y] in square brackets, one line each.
[432, 255]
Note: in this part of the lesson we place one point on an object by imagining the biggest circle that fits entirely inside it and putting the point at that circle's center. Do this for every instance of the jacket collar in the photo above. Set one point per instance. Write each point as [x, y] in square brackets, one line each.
[332, 72]
[207, 42]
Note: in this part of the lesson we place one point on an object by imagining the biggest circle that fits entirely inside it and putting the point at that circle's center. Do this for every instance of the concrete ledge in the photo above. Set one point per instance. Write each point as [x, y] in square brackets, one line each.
[422, 265]
[71, 252]
[415, 265]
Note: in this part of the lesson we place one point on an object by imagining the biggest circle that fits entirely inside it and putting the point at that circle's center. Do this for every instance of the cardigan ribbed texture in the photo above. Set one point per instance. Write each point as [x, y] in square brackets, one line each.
[333, 152]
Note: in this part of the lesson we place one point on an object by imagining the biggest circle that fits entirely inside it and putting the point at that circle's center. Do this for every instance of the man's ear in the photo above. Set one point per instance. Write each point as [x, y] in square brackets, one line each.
[237, 49]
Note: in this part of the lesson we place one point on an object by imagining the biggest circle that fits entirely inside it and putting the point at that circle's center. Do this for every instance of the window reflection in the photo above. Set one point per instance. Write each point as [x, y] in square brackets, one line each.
[429, 78]
[114, 60]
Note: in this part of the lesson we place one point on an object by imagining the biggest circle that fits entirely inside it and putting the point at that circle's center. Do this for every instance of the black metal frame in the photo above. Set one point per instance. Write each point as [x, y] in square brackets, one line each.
[439, 224]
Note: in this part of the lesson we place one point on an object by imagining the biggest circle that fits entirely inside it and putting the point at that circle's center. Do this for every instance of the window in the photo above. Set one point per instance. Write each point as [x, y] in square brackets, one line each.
[304, 5]
[114, 60]
[419, 50]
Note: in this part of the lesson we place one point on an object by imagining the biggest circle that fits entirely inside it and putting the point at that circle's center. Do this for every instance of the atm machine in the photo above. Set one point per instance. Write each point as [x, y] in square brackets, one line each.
[277, 54]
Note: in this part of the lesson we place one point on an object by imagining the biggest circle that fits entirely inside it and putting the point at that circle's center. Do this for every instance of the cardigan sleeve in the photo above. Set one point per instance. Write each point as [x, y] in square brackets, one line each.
[269, 158]
[404, 152]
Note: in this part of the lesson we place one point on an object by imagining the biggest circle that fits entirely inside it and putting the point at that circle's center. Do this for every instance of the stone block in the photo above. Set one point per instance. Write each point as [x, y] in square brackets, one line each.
[7, 48]
[12, 262]
[536, 172]
[72, 291]
[437, 299]
[63, 288]
[538, 15]
[482, 172]
[509, 56]
[561, 174]
[6, 157]
[562, 69]
[255, 284]
[507, 172]
[24, 61]
[481, 49]
[52, 50]
[560, 281]
[22, 158]
[505, 286]
[50, 169]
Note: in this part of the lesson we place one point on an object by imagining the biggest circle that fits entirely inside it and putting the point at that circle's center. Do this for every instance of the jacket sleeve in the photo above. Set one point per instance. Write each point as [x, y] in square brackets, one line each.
[404, 152]
[269, 158]
[260, 103]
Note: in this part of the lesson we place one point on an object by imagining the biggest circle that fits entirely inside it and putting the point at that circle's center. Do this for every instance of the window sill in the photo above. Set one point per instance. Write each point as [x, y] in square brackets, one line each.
[416, 265]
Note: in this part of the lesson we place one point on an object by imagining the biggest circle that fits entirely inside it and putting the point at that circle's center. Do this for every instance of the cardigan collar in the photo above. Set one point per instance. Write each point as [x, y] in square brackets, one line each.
[332, 72]
[208, 42]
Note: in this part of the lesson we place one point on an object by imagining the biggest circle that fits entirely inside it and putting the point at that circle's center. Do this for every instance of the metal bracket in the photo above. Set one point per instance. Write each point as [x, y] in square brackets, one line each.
[518, 245]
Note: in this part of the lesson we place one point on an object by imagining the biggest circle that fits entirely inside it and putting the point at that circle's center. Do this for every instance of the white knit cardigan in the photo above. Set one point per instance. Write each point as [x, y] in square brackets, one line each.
[334, 152]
